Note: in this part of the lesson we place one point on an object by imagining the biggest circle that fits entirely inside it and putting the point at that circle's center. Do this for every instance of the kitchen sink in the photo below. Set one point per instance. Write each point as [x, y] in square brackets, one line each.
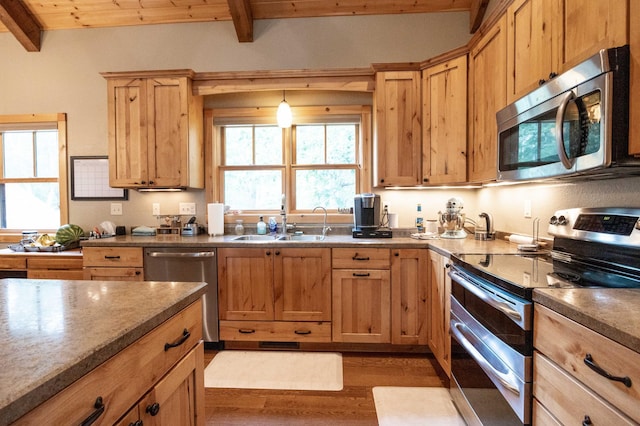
[255, 238]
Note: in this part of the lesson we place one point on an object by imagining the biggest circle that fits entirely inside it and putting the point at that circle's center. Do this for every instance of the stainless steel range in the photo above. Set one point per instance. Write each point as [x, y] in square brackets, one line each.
[492, 308]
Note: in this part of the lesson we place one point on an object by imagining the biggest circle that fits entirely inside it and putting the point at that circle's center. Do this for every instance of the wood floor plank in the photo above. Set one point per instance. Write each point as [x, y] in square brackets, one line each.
[353, 405]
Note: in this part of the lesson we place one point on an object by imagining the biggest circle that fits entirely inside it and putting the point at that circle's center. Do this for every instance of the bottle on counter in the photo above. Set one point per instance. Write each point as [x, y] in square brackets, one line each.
[419, 219]
[261, 227]
[273, 225]
[239, 227]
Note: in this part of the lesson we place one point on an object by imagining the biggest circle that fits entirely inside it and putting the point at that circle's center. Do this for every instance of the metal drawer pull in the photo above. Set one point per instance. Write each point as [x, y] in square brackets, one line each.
[112, 257]
[361, 274]
[99, 406]
[356, 257]
[246, 331]
[588, 359]
[303, 332]
[587, 421]
[153, 409]
[181, 340]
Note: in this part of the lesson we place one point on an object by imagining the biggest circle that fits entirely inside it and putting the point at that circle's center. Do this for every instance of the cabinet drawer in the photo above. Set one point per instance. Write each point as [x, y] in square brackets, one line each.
[112, 256]
[276, 331]
[114, 274]
[567, 343]
[124, 378]
[569, 400]
[13, 263]
[542, 416]
[56, 274]
[55, 263]
[361, 258]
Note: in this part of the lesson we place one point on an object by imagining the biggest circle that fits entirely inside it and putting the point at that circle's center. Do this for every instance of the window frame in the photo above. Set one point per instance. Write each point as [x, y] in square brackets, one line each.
[59, 120]
[214, 155]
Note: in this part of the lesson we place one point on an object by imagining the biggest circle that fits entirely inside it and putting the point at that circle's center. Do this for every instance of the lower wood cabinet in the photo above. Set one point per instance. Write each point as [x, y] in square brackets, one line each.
[145, 381]
[55, 267]
[113, 263]
[274, 294]
[569, 390]
[439, 307]
[409, 296]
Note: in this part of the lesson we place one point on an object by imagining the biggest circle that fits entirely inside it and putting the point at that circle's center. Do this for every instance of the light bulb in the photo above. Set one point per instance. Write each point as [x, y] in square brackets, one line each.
[284, 115]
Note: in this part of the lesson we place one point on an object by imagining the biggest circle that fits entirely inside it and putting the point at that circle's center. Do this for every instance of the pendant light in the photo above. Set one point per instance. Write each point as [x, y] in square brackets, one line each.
[284, 113]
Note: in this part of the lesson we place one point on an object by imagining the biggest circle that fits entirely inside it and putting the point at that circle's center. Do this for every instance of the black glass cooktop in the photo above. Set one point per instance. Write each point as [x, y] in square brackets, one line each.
[521, 273]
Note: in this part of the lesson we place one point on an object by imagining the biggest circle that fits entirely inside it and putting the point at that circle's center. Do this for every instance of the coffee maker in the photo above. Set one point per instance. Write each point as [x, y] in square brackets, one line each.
[366, 217]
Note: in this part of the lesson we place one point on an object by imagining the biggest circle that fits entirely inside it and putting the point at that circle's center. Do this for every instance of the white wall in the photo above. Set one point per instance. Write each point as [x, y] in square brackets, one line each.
[64, 75]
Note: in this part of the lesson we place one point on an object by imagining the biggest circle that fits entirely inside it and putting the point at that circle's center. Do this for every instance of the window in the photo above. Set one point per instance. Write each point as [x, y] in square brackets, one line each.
[317, 162]
[33, 185]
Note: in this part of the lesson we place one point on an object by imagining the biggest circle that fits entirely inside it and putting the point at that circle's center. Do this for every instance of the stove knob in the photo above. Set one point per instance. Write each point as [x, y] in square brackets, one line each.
[553, 220]
[562, 220]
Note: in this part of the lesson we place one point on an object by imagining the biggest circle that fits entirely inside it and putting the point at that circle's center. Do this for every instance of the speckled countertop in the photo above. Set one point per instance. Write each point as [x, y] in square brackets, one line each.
[53, 332]
[612, 312]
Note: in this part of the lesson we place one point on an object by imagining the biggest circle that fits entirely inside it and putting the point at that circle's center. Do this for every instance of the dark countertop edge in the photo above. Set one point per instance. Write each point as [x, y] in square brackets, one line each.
[573, 312]
[27, 402]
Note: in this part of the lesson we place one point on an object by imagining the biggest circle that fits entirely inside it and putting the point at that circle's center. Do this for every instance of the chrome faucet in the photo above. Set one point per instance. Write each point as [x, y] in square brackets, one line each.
[325, 228]
[283, 215]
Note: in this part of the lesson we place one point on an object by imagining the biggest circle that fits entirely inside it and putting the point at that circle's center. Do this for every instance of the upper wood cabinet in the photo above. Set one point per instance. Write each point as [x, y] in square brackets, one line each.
[444, 122]
[155, 132]
[487, 95]
[634, 101]
[397, 133]
[547, 37]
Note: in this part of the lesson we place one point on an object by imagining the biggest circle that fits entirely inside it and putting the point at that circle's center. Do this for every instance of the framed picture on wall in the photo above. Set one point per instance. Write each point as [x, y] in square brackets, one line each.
[90, 180]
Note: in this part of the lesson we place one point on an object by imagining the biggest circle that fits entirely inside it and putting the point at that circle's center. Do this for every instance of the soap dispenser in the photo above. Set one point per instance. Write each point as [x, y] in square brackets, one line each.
[261, 226]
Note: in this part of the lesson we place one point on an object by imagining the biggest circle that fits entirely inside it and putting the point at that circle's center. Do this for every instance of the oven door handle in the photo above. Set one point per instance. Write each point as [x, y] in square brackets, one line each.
[472, 344]
[486, 297]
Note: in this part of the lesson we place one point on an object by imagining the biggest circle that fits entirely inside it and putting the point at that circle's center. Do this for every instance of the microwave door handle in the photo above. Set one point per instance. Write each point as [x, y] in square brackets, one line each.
[566, 161]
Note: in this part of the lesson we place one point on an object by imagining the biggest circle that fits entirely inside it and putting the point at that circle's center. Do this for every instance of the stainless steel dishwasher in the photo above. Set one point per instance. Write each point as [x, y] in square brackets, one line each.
[188, 264]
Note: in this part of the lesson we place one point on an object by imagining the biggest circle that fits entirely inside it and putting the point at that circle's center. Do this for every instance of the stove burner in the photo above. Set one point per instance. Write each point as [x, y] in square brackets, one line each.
[573, 278]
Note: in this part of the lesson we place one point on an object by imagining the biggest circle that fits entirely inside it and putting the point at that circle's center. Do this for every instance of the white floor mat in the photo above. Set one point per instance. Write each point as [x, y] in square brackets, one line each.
[275, 370]
[407, 406]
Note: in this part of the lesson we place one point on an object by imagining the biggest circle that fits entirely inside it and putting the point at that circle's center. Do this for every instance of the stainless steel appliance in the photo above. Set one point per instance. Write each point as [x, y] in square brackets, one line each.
[452, 220]
[577, 123]
[491, 306]
[188, 264]
[366, 217]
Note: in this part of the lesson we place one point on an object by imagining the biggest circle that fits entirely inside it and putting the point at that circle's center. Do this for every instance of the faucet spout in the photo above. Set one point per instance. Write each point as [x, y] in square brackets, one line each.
[325, 228]
[489, 222]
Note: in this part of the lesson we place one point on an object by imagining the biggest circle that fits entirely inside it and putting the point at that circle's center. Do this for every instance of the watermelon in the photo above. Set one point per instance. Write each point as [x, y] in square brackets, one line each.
[68, 234]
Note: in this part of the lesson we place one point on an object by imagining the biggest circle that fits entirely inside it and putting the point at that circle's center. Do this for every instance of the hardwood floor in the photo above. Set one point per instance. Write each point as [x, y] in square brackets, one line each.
[353, 405]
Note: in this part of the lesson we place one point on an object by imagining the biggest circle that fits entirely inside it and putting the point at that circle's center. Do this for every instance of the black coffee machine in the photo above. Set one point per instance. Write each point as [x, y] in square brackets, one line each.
[366, 217]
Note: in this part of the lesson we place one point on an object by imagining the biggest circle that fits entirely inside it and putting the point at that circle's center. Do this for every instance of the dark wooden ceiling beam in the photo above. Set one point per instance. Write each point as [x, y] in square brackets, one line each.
[242, 16]
[19, 20]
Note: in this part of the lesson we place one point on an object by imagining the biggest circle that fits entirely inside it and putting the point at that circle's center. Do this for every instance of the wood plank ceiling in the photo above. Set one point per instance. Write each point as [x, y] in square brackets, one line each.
[27, 19]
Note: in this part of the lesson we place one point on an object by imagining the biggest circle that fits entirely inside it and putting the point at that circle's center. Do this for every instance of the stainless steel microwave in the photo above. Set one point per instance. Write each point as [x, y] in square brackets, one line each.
[576, 124]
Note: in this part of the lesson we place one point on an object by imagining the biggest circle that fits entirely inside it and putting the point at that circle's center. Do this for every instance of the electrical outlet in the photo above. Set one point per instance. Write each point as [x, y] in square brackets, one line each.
[527, 208]
[187, 208]
[156, 209]
[116, 209]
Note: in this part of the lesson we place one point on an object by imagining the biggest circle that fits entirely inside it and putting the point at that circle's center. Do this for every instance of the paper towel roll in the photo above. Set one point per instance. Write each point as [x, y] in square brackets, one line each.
[520, 239]
[215, 216]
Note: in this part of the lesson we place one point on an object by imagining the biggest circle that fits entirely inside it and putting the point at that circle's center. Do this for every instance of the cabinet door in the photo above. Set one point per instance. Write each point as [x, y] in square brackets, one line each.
[302, 284]
[397, 128]
[361, 306]
[487, 87]
[409, 315]
[532, 45]
[168, 119]
[444, 124]
[634, 101]
[245, 284]
[178, 399]
[439, 306]
[127, 109]
[586, 30]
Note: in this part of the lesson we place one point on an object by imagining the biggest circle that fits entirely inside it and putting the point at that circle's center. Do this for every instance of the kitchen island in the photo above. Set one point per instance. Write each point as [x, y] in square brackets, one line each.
[56, 333]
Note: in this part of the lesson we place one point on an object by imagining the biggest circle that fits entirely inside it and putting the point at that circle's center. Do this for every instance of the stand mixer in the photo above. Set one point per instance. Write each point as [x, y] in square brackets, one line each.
[452, 220]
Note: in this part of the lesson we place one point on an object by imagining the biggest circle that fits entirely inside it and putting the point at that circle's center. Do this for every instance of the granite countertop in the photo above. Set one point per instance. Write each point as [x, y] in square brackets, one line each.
[55, 331]
[612, 312]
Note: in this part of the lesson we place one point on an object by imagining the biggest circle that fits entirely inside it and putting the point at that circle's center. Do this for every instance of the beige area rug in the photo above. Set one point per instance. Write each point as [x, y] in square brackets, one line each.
[275, 370]
[407, 406]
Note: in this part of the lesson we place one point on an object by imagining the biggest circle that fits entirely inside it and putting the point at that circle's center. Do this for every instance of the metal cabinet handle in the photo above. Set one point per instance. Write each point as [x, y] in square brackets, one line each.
[302, 332]
[246, 331]
[588, 359]
[99, 409]
[361, 274]
[112, 257]
[587, 421]
[356, 257]
[153, 409]
[181, 340]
